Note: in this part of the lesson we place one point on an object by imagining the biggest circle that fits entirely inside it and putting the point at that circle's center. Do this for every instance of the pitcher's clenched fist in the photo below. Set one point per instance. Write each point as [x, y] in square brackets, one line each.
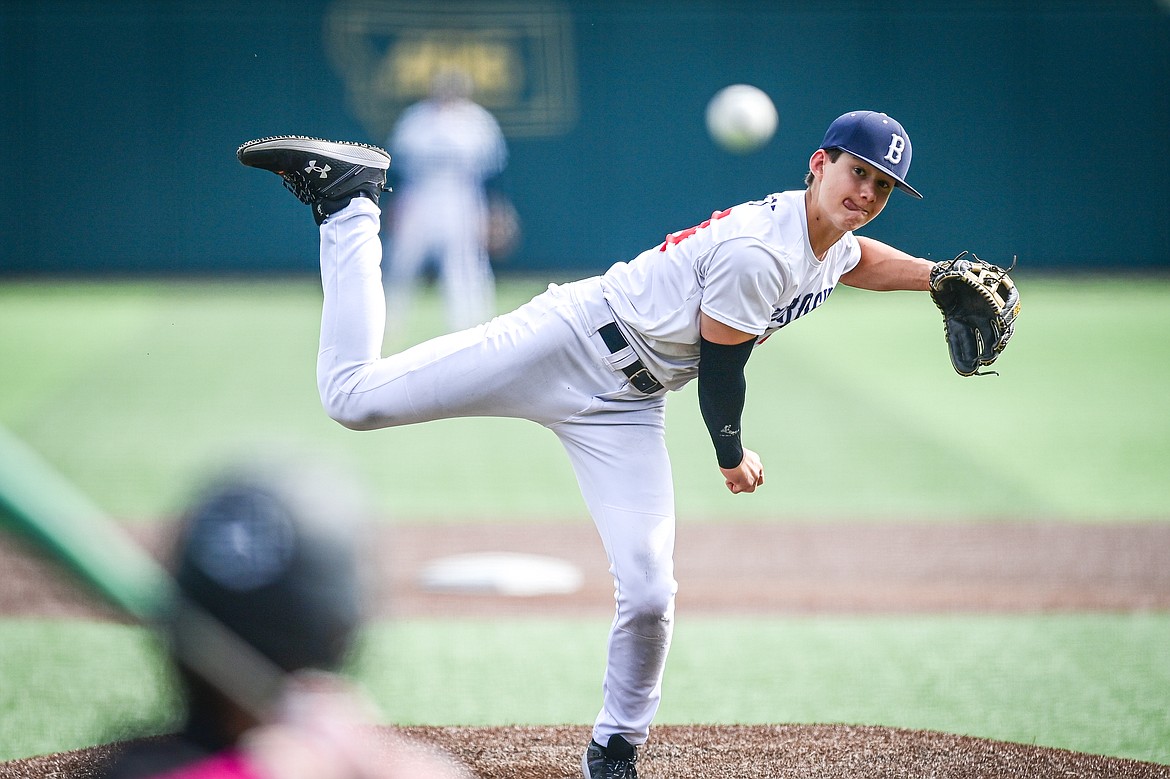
[746, 476]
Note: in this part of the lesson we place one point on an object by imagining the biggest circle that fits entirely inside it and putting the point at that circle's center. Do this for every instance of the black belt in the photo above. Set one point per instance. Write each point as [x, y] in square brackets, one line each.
[636, 372]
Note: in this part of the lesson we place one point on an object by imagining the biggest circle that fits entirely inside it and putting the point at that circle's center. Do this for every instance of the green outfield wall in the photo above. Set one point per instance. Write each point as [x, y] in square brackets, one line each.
[1040, 127]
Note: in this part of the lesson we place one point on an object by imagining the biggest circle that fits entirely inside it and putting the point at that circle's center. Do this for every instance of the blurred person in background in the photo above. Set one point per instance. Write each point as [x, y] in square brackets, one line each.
[446, 149]
[270, 598]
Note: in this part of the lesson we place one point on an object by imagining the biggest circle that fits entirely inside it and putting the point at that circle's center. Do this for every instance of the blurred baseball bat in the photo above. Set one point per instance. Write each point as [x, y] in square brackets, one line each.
[40, 504]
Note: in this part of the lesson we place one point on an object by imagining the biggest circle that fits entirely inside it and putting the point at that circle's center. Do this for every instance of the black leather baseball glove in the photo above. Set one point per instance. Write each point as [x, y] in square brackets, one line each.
[979, 303]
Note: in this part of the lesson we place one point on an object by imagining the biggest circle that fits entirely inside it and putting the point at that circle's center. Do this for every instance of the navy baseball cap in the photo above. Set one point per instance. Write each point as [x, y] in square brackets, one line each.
[875, 138]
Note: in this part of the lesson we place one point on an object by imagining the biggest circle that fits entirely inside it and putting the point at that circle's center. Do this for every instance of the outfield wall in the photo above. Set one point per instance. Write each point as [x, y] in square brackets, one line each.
[1039, 126]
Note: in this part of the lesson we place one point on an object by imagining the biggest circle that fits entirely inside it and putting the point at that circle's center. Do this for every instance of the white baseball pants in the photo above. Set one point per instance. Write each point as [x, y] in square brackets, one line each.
[543, 362]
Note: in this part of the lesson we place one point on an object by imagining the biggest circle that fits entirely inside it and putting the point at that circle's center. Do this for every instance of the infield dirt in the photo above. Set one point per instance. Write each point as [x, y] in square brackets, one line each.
[779, 568]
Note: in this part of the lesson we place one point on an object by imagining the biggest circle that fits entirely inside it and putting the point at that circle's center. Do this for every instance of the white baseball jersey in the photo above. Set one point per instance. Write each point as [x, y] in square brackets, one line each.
[750, 267]
[451, 147]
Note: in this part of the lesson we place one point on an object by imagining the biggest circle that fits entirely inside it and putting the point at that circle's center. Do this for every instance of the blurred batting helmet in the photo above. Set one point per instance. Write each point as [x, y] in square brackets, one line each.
[272, 554]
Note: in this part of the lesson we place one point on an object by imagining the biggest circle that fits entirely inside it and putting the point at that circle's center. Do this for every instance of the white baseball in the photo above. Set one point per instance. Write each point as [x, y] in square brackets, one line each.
[741, 118]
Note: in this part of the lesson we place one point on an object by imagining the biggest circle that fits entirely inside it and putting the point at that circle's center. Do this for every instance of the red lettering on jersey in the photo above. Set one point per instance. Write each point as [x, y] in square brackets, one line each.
[682, 235]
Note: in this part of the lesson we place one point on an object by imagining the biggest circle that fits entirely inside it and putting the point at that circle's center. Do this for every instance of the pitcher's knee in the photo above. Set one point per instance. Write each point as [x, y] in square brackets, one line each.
[343, 410]
[647, 610]
[353, 423]
[655, 625]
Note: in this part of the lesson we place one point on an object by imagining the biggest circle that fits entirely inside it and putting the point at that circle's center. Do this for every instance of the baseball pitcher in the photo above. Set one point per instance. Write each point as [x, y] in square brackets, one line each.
[592, 360]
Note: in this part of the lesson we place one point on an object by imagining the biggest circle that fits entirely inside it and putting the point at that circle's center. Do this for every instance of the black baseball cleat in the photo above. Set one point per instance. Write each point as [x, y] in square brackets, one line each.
[326, 175]
[615, 760]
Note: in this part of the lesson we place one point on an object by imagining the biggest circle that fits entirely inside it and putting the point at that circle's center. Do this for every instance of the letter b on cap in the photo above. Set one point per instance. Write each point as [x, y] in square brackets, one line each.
[897, 146]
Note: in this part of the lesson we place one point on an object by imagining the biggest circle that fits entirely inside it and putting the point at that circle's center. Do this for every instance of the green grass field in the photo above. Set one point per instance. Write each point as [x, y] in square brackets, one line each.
[132, 389]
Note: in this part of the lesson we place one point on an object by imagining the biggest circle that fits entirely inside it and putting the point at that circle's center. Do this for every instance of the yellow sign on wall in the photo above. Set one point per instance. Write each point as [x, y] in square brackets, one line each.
[519, 55]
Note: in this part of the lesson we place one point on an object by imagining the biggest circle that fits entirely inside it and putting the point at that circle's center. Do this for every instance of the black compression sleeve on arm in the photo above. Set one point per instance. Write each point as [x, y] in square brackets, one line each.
[722, 389]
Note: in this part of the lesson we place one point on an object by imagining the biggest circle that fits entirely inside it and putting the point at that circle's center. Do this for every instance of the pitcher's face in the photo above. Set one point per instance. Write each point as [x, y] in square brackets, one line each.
[851, 192]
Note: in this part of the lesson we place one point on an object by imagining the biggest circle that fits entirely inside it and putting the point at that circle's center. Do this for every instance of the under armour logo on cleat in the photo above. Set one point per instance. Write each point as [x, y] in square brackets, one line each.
[312, 168]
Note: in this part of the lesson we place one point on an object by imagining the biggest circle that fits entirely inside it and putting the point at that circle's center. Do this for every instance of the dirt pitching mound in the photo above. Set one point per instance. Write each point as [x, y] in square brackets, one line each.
[716, 752]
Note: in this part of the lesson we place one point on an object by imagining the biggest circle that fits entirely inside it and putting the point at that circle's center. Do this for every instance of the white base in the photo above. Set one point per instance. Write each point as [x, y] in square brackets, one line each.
[501, 573]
